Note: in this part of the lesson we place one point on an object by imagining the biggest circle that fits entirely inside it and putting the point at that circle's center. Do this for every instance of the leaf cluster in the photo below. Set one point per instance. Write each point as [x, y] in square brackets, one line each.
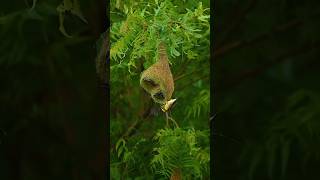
[180, 149]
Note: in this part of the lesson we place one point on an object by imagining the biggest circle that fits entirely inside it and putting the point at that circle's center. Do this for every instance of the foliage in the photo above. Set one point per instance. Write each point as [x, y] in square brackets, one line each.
[138, 35]
[180, 149]
[201, 101]
[141, 147]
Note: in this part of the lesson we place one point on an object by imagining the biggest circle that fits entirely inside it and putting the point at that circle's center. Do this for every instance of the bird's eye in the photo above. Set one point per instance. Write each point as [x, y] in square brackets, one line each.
[159, 95]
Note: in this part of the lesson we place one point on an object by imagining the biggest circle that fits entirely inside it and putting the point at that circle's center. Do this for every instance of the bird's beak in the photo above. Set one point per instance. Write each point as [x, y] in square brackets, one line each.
[168, 105]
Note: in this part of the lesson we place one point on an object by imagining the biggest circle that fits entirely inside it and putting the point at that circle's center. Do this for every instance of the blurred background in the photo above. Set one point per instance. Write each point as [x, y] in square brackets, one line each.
[52, 123]
[266, 79]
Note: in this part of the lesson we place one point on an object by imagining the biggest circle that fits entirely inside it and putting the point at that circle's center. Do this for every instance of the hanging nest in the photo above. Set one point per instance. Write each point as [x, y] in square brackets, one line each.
[157, 80]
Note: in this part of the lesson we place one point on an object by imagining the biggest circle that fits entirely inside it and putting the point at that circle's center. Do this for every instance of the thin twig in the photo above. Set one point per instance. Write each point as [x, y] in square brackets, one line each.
[177, 126]
[167, 119]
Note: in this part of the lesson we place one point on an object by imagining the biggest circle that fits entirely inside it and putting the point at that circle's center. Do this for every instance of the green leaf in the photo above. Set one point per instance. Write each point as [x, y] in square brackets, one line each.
[204, 18]
[120, 150]
[175, 52]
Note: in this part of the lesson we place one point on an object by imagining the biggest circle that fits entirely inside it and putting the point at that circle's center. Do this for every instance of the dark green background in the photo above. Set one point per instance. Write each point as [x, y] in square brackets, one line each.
[266, 56]
[52, 108]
